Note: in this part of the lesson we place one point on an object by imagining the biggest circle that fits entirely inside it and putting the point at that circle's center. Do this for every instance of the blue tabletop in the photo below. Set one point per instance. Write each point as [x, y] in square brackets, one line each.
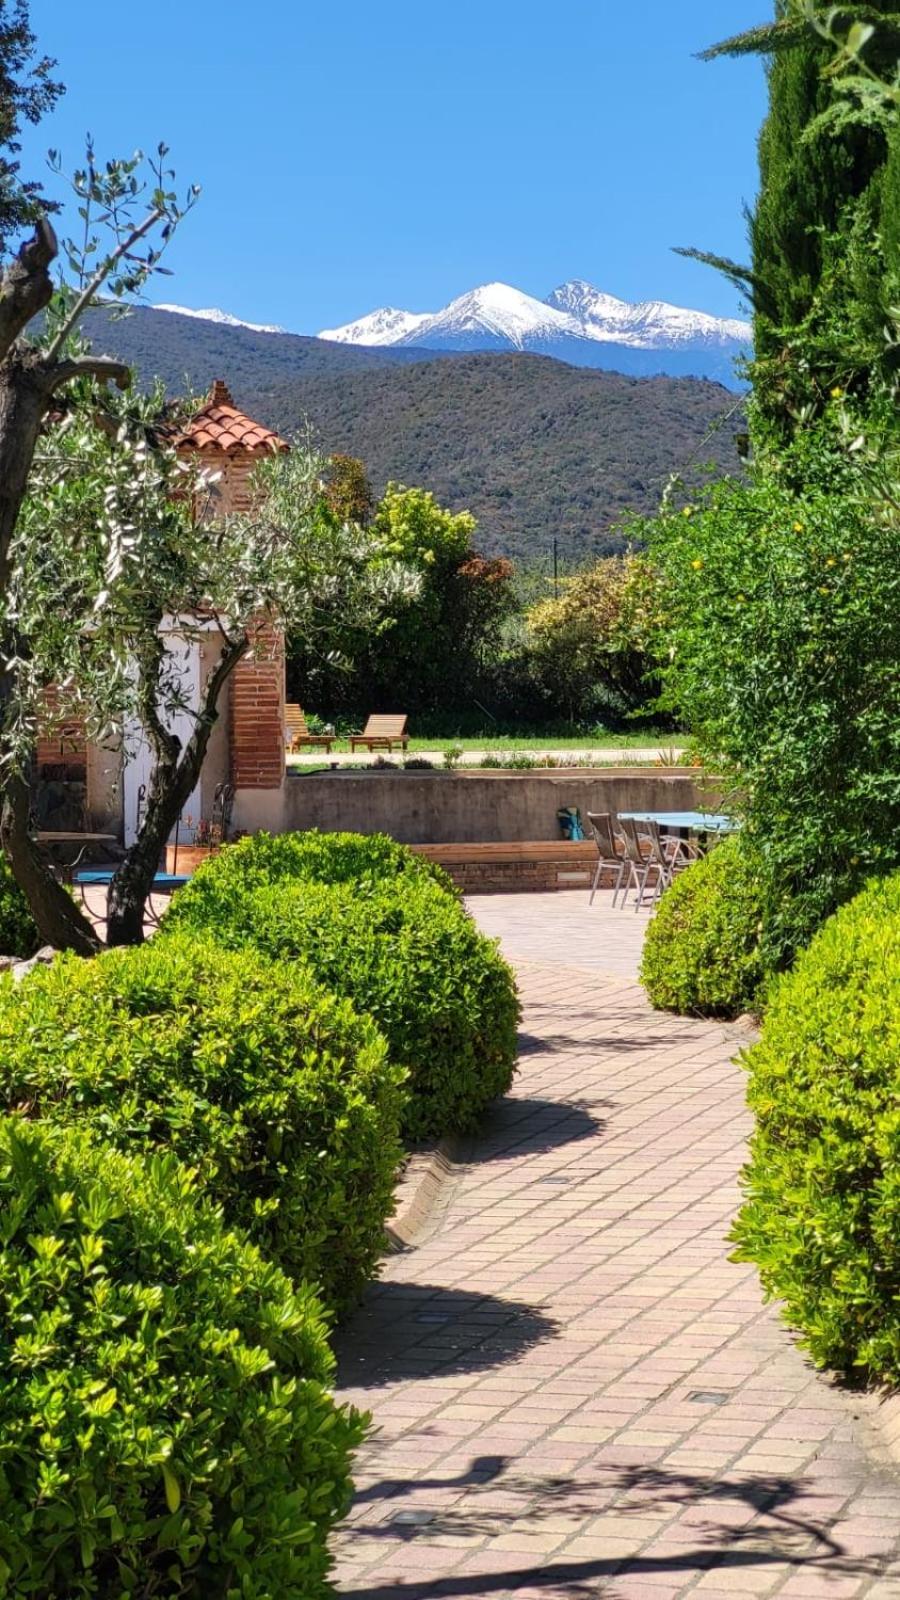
[104, 875]
[697, 821]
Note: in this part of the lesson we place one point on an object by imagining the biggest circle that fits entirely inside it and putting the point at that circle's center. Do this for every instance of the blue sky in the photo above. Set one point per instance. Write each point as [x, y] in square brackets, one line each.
[354, 155]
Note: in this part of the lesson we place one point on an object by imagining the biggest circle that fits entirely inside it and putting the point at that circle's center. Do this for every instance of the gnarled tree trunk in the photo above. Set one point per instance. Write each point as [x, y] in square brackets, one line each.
[175, 774]
[60, 921]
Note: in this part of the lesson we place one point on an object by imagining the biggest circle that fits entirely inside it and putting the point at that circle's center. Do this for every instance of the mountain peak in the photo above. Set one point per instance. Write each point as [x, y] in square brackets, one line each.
[211, 314]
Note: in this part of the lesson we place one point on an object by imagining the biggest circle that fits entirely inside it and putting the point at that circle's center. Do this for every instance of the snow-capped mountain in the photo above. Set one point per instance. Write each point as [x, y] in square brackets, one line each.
[577, 323]
[210, 314]
[386, 326]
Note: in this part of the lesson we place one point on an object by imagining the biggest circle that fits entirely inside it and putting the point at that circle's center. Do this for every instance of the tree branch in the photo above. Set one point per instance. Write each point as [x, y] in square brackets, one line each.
[104, 368]
[100, 277]
[26, 286]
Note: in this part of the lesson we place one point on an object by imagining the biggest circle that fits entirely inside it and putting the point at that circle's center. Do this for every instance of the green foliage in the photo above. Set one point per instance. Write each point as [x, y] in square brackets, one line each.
[164, 1425]
[780, 652]
[701, 954]
[376, 925]
[818, 278]
[28, 91]
[590, 646]
[18, 934]
[348, 491]
[278, 1093]
[821, 1217]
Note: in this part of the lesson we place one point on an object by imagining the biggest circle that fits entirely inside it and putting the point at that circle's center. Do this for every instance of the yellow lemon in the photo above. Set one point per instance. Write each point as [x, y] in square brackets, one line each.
[687, 511]
[798, 527]
[837, 393]
[697, 565]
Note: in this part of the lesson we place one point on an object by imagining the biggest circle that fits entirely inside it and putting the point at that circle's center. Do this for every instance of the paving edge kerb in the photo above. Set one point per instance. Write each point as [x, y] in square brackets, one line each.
[424, 1192]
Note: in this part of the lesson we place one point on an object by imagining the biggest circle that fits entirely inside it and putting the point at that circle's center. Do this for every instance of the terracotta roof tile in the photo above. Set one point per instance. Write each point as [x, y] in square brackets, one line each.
[221, 426]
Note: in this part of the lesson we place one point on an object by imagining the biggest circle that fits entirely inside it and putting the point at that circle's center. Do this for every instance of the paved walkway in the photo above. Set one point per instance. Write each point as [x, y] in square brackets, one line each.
[576, 1392]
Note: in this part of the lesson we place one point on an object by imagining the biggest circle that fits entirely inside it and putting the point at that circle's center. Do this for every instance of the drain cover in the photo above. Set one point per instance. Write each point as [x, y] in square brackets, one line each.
[554, 1180]
[434, 1316]
[414, 1519]
[709, 1397]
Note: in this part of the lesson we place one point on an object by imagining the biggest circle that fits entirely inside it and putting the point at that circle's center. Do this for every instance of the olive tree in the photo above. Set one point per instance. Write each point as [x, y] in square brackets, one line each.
[118, 551]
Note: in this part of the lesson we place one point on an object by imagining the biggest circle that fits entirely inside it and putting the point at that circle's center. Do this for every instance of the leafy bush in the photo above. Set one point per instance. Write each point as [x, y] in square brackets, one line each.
[702, 950]
[215, 894]
[821, 1216]
[783, 605]
[277, 1092]
[408, 954]
[164, 1425]
[18, 934]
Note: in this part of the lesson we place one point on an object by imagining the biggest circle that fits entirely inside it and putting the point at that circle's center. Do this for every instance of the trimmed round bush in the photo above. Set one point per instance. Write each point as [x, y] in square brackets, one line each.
[165, 1426]
[409, 955]
[279, 1094]
[18, 933]
[702, 951]
[821, 1216]
[217, 889]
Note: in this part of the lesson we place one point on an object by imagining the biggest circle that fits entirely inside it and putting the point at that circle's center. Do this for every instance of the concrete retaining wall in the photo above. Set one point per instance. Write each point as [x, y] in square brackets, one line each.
[466, 807]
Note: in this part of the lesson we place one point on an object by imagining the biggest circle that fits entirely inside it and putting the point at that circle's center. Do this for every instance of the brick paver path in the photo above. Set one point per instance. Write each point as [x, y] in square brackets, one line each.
[576, 1392]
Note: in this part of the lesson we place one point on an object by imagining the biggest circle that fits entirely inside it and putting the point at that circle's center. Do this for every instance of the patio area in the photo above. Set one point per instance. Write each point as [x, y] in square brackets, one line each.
[575, 1391]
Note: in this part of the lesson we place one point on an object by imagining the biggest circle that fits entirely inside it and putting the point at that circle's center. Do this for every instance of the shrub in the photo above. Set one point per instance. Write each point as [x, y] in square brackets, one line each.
[277, 1092]
[780, 654]
[18, 934]
[821, 1216]
[164, 1425]
[702, 950]
[215, 894]
[415, 961]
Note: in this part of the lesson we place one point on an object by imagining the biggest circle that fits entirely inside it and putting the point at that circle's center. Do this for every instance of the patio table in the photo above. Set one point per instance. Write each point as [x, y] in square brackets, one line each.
[686, 821]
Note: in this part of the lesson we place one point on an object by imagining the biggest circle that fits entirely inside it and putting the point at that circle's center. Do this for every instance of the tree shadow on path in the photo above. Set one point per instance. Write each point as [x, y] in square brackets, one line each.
[741, 1521]
[528, 1125]
[419, 1330]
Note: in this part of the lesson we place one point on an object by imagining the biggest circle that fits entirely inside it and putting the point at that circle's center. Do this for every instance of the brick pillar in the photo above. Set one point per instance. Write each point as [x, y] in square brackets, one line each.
[257, 714]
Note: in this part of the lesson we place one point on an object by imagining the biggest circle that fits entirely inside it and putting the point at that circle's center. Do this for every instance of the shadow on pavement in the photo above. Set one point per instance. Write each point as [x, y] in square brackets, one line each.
[405, 1330]
[744, 1521]
[525, 1126]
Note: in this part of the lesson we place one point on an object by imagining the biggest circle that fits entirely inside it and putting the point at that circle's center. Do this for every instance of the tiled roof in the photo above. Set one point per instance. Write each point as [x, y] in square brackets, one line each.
[220, 426]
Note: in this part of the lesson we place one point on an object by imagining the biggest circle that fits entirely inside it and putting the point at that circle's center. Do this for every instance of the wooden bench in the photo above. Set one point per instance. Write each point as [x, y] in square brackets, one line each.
[297, 734]
[382, 733]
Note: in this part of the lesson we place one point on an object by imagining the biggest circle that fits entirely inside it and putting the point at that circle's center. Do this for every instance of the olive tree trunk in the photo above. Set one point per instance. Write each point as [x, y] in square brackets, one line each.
[175, 773]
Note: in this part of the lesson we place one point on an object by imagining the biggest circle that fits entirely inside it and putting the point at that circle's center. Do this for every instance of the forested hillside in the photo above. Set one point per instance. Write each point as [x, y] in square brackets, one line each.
[534, 448]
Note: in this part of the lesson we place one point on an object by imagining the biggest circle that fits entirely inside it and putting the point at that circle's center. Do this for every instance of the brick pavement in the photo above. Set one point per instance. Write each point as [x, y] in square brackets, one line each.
[576, 1392]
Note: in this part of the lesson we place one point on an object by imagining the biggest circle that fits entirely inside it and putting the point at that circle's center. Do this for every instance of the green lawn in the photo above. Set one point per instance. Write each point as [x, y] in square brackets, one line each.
[651, 739]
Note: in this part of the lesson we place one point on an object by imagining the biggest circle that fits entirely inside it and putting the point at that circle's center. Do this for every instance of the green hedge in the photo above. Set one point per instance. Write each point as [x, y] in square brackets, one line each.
[164, 1425]
[278, 1093]
[821, 1216]
[376, 925]
[216, 891]
[18, 934]
[702, 950]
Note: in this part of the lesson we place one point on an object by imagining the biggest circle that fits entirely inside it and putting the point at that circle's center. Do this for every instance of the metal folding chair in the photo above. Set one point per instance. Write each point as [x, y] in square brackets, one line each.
[608, 852]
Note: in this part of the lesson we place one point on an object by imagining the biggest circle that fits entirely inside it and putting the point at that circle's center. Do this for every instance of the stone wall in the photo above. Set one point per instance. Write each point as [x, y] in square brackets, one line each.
[471, 807]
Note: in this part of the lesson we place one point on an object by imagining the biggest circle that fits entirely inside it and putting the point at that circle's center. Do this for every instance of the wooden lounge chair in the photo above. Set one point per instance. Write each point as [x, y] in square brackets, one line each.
[382, 733]
[297, 734]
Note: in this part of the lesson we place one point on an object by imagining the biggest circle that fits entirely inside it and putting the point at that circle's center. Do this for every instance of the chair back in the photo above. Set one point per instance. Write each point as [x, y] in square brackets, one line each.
[632, 837]
[385, 726]
[294, 723]
[601, 826]
[653, 836]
